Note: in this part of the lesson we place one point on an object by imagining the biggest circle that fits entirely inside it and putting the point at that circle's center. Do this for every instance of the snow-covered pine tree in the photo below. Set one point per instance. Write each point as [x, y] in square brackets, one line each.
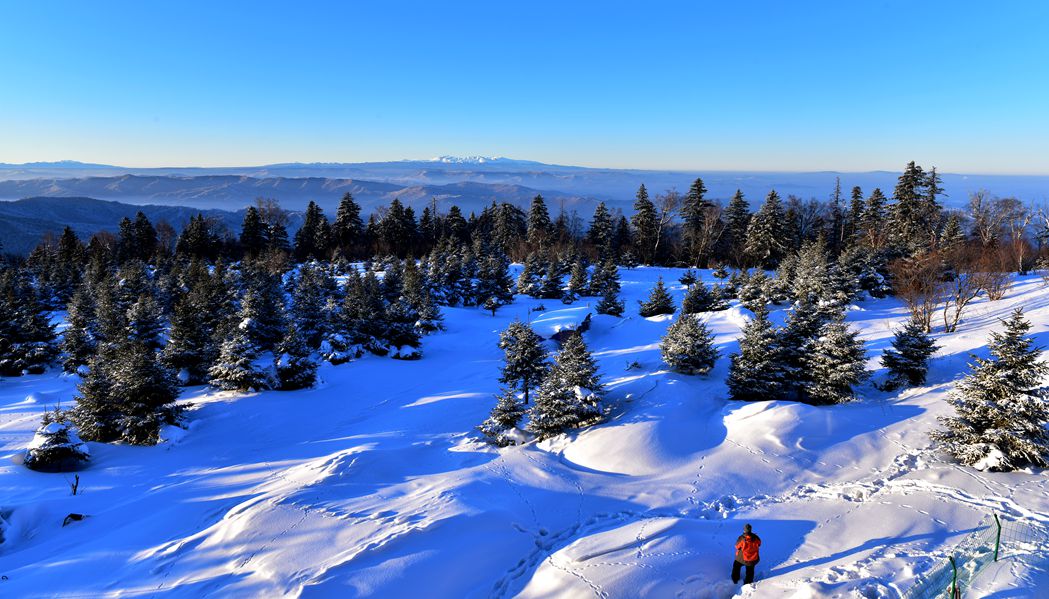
[145, 391]
[145, 322]
[530, 280]
[293, 362]
[1001, 406]
[550, 288]
[236, 367]
[796, 339]
[262, 308]
[610, 304]
[571, 393]
[493, 279]
[78, 340]
[688, 346]
[908, 359]
[765, 233]
[308, 301]
[577, 280]
[504, 418]
[658, 302]
[833, 365]
[752, 290]
[700, 298]
[56, 447]
[401, 332]
[524, 358]
[97, 411]
[688, 278]
[757, 372]
[604, 277]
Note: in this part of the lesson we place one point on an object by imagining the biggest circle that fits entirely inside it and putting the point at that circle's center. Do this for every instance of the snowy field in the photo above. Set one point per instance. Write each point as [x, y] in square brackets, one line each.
[375, 483]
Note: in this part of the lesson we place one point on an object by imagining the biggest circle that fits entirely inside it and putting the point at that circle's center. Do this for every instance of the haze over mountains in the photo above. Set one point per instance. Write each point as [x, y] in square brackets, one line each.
[469, 182]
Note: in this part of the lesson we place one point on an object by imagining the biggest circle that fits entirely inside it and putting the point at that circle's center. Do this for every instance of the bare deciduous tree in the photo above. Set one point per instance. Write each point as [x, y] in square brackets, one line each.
[918, 282]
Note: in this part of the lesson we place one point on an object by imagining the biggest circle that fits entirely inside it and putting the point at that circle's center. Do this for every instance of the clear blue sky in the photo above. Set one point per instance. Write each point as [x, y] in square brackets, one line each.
[963, 85]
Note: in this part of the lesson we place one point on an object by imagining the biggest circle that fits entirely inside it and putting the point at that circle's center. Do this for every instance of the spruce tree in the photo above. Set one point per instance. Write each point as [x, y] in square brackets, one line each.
[505, 417]
[348, 230]
[524, 359]
[530, 280]
[1001, 409]
[577, 280]
[313, 239]
[765, 234]
[658, 302]
[550, 288]
[700, 298]
[694, 214]
[757, 372]
[78, 340]
[737, 221]
[56, 447]
[908, 359]
[688, 346]
[253, 233]
[145, 322]
[571, 393]
[236, 368]
[610, 303]
[833, 365]
[646, 226]
[539, 227]
[602, 231]
[145, 391]
[293, 362]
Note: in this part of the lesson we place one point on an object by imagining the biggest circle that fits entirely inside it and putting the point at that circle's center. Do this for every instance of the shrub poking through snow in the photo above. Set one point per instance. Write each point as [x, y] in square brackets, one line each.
[56, 446]
[658, 302]
[688, 347]
[908, 359]
[501, 424]
[1001, 406]
[570, 395]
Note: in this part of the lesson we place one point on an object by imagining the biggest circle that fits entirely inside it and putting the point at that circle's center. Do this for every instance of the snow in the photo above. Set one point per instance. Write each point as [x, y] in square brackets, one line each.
[375, 483]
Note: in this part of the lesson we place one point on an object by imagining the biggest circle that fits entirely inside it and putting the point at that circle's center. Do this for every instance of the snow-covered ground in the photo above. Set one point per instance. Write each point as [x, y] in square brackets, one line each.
[375, 484]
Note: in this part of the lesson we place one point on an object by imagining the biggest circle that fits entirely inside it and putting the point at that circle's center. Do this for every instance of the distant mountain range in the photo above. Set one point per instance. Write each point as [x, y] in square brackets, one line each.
[23, 223]
[469, 182]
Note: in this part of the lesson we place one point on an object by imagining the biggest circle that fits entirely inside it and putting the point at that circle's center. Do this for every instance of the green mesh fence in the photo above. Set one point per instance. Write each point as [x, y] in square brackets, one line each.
[998, 540]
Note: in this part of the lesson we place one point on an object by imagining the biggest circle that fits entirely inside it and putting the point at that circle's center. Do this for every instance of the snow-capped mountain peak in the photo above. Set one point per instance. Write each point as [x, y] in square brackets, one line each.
[468, 159]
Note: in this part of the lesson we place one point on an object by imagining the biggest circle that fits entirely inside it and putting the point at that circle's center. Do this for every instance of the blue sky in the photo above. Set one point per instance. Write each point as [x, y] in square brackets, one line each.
[693, 85]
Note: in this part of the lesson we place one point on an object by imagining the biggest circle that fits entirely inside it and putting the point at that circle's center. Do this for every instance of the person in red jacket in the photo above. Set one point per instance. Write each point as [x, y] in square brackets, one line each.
[746, 555]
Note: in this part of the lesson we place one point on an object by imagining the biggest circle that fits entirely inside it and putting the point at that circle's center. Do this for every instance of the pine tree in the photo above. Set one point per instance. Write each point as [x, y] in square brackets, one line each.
[144, 390]
[530, 280]
[757, 372]
[539, 228]
[263, 312]
[56, 447]
[308, 304]
[603, 278]
[145, 322]
[796, 340]
[952, 235]
[348, 230]
[700, 298]
[873, 223]
[646, 226]
[313, 239]
[610, 303]
[602, 231]
[577, 280]
[658, 302]
[236, 368]
[253, 233]
[493, 279]
[524, 359]
[765, 234]
[688, 346]
[571, 393]
[833, 365]
[293, 362]
[1001, 406]
[694, 214]
[908, 359]
[78, 340]
[505, 417]
[737, 221]
[550, 288]
[688, 278]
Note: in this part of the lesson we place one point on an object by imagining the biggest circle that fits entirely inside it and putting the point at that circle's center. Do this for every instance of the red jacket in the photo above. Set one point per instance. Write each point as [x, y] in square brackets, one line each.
[747, 548]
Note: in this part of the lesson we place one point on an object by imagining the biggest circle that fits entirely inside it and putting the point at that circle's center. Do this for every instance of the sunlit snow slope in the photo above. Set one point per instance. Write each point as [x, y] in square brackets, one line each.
[374, 483]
